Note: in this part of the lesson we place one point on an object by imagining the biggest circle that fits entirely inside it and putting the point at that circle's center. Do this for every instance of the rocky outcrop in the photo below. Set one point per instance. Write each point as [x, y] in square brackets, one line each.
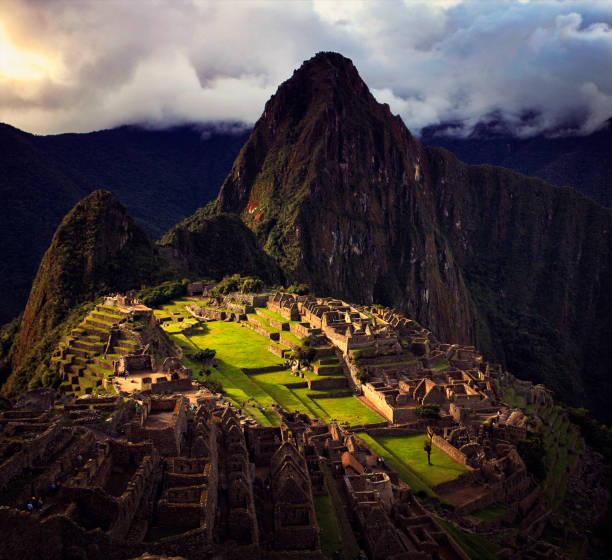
[335, 189]
[216, 245]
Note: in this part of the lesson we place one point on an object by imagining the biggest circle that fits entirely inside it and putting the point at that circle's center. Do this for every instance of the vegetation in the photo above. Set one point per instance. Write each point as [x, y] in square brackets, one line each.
[7, 337]
[428, 411]
[298, 289]
[491, 512]
[36, 369]
[405, 454]
[203, 355]
[475, 546]
[350, 548]
[533, 453]
[219, 245]
[328, 523]
[597, 435]
[239, 347]
[162, 294]
[153, 172]
[237, 283]
[362, 374]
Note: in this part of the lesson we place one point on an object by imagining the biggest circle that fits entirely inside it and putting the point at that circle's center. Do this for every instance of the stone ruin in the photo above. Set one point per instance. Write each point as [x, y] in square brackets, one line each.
[143, 375]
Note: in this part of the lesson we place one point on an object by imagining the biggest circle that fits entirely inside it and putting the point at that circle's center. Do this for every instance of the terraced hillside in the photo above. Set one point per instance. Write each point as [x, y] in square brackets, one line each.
[86, 357]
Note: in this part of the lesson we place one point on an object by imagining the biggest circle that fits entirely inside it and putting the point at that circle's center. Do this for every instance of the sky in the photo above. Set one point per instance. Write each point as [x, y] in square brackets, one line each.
[82, 65]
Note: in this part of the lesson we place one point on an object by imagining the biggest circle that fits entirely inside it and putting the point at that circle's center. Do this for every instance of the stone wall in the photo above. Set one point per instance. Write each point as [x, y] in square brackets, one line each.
[260, 330]
[331, 383]
[167, 439]
[450, 450]
[393, 414]
[37, 450]
[185, 515]
[172, 386]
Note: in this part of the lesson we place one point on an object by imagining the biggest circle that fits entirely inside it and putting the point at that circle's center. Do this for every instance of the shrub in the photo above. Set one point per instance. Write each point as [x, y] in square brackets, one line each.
[237, 283]
[428, 411]
[298, 289]
[213, 385]
[164, 293]
[252, 285]
[362, 375]
[204, 355]
[532, 451]
[304, 353]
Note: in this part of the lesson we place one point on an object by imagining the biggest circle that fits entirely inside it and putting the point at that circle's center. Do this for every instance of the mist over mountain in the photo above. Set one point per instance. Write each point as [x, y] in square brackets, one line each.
[161, 175]
[562, 157]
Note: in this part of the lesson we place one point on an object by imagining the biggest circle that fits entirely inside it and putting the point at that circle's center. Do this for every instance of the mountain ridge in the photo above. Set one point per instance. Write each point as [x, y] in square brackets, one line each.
[579, 161]
[161, 175]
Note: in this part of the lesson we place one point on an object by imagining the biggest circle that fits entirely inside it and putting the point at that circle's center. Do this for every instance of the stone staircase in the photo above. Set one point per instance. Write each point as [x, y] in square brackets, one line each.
[86, 356]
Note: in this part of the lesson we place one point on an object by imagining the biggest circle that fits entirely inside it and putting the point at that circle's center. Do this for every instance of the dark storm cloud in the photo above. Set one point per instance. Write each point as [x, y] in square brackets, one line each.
[99, 64]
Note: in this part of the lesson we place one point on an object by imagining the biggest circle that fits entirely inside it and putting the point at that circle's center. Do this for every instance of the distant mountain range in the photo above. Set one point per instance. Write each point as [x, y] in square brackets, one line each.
[581, 162]
[161, 175]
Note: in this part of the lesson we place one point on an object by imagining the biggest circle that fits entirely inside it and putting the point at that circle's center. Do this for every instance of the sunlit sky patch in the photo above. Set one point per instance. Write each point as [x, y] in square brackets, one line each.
[80, 66]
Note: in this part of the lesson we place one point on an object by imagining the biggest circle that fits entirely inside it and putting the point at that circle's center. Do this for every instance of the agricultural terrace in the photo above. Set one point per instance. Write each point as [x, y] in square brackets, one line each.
[406, 455]
[239, 347]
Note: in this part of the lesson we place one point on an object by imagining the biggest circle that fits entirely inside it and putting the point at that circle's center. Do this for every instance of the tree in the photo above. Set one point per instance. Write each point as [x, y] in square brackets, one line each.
[362, 374]
[204, 355]
[427, 448]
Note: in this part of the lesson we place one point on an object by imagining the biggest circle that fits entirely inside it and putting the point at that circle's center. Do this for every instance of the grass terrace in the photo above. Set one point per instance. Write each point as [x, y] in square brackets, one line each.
[406, 455]
[491, 512]
[273, 315]
[239, 347]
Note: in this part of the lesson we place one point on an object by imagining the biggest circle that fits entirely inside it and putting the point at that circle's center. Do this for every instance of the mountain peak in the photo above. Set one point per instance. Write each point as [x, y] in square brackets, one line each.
[318, 116]
[328, 64]
[327, 74]
[97, 248]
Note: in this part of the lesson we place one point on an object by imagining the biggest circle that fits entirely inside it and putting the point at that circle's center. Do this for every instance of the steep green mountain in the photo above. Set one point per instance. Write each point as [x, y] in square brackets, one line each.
[342, 197]
[216, 245]
[161, 175]
[332, 184]
[97, 248]
[581, 162]
[537, 260]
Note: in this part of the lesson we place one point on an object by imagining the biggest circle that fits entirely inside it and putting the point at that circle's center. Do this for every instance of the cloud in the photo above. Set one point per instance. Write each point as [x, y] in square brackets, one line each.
[79, 66]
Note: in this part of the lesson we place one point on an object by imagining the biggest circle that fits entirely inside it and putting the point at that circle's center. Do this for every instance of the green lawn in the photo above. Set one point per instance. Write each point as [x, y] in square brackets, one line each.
[475, 546]
[330, 533]
[405, 473]
[348, 409]
[408, 451]
[350, 548]
[236, 345]
[239, 347]
[491, 512]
